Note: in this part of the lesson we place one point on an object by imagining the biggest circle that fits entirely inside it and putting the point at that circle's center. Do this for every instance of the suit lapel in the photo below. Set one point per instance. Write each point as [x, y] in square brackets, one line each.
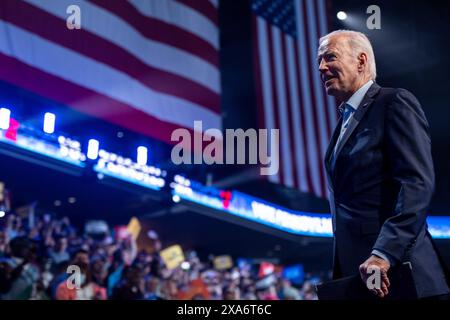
[329, 152]
[359, 114]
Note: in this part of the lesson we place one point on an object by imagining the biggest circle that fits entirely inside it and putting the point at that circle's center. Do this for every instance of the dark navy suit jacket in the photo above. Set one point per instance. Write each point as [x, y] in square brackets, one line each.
[381, 183]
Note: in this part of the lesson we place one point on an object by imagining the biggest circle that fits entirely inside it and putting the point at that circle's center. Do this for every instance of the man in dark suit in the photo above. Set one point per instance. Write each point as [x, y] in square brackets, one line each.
[380, 172]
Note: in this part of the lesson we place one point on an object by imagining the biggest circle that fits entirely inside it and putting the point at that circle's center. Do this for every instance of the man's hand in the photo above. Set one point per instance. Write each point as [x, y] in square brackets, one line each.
[366, 270]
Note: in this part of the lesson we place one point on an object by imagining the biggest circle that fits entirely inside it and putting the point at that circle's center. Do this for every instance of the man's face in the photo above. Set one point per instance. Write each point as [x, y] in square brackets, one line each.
[82, 258]
[338, 67]
[62, 244]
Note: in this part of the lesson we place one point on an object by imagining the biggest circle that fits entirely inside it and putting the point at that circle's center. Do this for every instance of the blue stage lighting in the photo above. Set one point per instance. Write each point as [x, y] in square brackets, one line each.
[49, 122]
[142, 155]
[93, 149]
[5, 115]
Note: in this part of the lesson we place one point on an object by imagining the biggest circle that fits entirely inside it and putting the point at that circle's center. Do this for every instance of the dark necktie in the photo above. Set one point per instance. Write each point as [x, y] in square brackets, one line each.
[348, 110]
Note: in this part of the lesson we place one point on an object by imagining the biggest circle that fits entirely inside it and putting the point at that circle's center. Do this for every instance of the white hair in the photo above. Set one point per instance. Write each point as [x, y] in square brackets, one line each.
[359, 43]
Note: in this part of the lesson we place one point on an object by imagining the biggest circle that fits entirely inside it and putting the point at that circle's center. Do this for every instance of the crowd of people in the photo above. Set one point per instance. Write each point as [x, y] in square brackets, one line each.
[48, 258]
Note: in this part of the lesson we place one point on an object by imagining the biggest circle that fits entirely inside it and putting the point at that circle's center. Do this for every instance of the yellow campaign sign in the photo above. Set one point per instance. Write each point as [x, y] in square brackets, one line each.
[134, 227]
[223, 262]
[172, 256]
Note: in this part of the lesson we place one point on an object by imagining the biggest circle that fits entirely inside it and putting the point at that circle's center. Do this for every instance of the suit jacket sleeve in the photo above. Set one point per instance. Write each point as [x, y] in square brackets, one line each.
[408, 151]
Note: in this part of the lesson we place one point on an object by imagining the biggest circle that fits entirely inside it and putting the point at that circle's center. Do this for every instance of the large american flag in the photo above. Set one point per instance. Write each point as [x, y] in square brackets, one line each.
[290, 95]
[148, 65]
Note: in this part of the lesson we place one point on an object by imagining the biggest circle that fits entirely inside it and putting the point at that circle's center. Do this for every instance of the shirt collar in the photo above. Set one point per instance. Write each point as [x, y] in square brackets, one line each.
[358, 96]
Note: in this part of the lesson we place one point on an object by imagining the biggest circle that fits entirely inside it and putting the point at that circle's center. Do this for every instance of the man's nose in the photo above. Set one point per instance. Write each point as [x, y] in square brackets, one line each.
[323, 67]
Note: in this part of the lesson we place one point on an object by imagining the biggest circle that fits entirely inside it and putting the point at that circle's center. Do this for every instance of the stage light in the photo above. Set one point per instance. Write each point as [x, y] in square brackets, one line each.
[142, 155]
[5, 115]
[101, 164]
[2, 213]
[64, 151]
[93, 149]
[111, 167]
[49, 122]
[72, 200]
[185, 265]
[176, 198]
[140, 176]
[74, 154]
[341, 15]
[61, 139]
[179, 179]
[75, 144]
[104, 155]
[182, 180]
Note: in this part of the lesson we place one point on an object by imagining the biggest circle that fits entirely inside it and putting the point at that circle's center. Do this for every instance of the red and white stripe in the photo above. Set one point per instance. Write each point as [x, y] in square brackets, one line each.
[150, 66]
[291, 96]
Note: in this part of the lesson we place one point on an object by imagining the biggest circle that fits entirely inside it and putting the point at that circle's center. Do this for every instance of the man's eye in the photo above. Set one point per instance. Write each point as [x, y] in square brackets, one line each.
[327, 58]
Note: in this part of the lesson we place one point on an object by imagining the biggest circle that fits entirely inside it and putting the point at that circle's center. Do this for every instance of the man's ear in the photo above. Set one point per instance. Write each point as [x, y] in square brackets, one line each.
[362, 61]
